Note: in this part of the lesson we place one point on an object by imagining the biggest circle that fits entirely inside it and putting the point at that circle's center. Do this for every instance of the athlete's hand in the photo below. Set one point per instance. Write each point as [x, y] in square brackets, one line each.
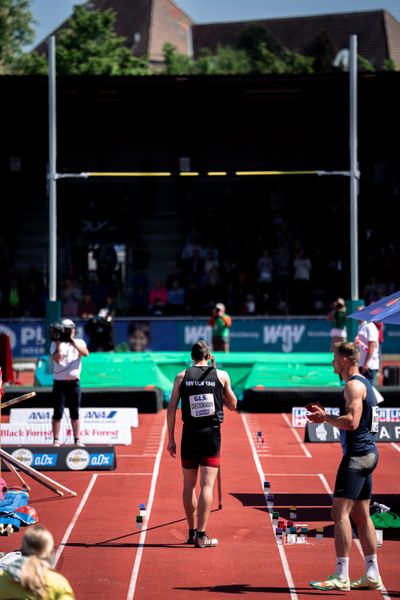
[172, 449]
[316, 412]
[316, 417]
[313, 407]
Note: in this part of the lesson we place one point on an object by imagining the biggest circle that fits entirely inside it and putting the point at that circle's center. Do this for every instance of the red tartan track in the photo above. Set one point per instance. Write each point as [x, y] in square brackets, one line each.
[103, 555]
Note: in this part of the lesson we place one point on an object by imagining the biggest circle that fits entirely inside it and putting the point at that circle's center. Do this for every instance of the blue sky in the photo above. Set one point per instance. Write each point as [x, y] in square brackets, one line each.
[50, 13]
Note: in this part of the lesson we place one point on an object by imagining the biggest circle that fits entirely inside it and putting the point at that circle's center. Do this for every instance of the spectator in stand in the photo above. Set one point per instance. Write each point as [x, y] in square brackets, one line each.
[265, 266]
[220, 323]
[301, 281]
[338, 317]
[249, 305]
[158, 293]
[176, 299]
[86, 307]
[157, 309]
[13, 298]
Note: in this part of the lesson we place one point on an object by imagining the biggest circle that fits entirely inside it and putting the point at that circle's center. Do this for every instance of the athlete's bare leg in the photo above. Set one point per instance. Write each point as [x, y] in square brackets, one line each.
[189, 496]
[207, 480]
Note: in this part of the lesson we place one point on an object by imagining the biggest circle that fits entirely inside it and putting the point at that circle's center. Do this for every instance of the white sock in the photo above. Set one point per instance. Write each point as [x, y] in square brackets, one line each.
[371, 566]
[342, 567]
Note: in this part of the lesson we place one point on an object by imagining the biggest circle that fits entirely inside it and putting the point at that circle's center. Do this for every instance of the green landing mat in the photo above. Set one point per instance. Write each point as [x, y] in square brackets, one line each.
[158, 369]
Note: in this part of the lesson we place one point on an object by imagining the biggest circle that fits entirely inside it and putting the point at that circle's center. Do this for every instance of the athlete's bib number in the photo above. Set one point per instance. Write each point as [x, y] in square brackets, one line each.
[375, 420]
[202, 405]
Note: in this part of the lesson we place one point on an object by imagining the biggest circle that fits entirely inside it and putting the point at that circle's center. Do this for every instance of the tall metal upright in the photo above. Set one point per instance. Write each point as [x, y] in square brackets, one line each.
[53, 305]
[354, 187]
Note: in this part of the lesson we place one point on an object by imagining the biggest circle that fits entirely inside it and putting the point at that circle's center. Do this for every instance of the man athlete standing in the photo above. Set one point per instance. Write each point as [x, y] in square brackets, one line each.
[358, 424]
[203, 390]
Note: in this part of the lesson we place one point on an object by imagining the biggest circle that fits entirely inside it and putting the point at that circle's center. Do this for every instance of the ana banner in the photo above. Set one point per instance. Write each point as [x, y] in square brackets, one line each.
[87, 416]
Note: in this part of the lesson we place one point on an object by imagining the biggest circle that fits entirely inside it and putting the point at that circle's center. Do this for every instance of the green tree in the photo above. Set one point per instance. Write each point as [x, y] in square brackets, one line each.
[226, 61]
[90, 46]
[254, 38]
[323, 50]
[16, 31]
[389, 65]
[364, 64]
[176, 63]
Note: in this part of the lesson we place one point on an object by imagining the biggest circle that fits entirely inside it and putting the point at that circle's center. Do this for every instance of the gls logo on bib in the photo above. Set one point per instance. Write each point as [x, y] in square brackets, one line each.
[202, 405]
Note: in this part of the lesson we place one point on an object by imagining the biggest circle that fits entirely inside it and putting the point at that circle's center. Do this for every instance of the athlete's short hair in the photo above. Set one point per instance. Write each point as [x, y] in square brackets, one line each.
[200, 350]
[349, 350]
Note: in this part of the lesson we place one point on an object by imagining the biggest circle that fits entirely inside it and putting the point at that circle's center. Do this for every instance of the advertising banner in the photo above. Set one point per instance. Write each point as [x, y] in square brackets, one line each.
[41, 433]
[299, 419]
[28, 336]
[324, 432]
[87, 416]
[93, 458]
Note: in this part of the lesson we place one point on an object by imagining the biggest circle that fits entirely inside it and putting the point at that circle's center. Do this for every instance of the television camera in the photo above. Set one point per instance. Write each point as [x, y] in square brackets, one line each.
[60, 331]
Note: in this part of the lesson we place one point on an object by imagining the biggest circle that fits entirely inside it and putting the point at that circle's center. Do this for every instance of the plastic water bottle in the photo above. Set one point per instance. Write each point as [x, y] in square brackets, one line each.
[379, 537]
[292, 537]
[279, 535]
[303, 535]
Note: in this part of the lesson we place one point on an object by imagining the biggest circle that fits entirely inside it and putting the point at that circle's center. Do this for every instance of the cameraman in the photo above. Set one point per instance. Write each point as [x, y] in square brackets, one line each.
[66, 353]
[221, 324]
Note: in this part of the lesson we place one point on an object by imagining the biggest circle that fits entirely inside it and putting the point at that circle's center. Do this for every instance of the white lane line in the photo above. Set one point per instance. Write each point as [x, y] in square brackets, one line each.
[282, 554]
[285, 455]
[384, 592]
[74, 519]
[124, 474]
[395, 446]
[296, 435]
[142, 538]
[144, 455]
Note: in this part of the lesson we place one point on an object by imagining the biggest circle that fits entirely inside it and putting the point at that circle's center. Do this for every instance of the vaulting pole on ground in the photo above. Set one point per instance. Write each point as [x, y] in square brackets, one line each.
[219, 484]
[16, 473]
[39, 477]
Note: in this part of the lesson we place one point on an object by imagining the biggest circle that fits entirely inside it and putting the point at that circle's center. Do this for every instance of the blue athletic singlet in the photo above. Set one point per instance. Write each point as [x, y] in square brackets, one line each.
[201, 395]
[362, 440]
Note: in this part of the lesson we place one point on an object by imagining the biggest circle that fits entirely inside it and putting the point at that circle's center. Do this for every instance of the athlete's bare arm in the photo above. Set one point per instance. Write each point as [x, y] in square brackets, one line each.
[230, 400]
[354, 394]
[171, 413]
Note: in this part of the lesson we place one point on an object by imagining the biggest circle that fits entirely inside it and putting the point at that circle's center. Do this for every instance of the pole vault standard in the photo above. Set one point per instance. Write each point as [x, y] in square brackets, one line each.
[353, 174]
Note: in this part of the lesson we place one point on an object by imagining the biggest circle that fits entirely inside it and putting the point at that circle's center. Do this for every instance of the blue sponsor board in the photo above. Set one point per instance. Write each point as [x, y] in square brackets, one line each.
[28, 339]
[65, 458]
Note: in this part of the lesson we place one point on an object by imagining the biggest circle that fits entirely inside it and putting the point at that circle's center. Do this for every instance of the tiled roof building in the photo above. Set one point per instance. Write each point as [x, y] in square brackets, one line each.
[149, 24]
[378, 33]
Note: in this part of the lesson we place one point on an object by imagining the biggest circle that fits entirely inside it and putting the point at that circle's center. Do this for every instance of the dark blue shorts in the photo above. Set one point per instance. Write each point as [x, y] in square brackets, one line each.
[66, 393]
[354, 476]
[200, 447]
